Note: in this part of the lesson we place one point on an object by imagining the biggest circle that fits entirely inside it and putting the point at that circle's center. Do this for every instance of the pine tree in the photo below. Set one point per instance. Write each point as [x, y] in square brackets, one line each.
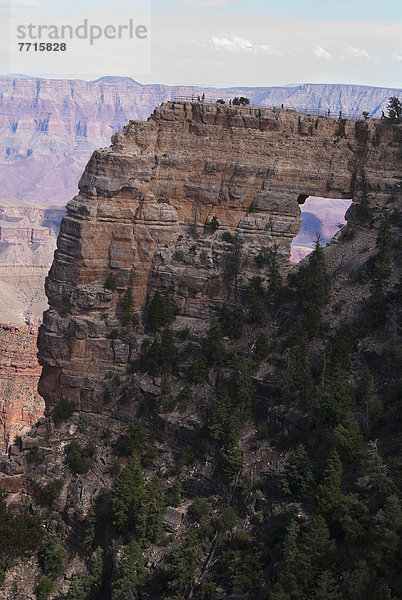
[329, 491]
[298, 378]
[327, 588]
[275, 281]
[161, 311]
[154, 506]
[130, 574]
[128, 308]
[128, 492]
[394, 109]
[297, 476]
[316, 552]
[213, 346]
[312, 284]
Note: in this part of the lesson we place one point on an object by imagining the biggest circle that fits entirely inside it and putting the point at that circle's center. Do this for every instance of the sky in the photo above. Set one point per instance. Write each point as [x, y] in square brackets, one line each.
[218, 42]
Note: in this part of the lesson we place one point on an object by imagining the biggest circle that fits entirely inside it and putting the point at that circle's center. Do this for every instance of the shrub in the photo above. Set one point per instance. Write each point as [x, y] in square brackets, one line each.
[113, 335]
[348, 233]
[110, 282]
[44, 589]
[178, 255]
[213, 224]
[135, 438]
[261, 348]
[149, 457]
[52, 490]
[200, 369]
[198, 510]
[297, 476]
[231, 318]
[230, 462]
[228, 237]
[51, 557]
[63, 410]
[79, 458]
[35, 456]
[21, 534]
[173, 496]
[228, 518]
[260, 261]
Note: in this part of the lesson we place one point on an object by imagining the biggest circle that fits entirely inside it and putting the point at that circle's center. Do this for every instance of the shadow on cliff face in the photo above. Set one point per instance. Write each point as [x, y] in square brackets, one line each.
[319, 216]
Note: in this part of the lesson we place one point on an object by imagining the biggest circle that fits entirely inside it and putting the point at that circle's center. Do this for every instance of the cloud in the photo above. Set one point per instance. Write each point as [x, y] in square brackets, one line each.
[397, 57]
[239, 45]
[203, 3]
[31, 4]
[320, 52]
[358, 53]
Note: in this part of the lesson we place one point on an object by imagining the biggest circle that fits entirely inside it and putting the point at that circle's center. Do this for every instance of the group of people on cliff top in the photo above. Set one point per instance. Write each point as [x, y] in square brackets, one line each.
[242, 101]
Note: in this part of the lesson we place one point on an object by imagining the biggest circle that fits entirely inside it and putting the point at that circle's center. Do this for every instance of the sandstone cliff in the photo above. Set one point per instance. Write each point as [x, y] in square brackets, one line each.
[144, 215]
[20, 404]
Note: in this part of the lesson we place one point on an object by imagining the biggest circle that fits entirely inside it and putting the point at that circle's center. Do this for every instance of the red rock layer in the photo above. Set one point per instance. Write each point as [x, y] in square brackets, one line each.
[20, 404]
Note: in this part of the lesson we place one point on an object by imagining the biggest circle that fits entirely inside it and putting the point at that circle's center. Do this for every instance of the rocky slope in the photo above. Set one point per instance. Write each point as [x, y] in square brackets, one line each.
[50, 127]
[146, 213]
[20, 404]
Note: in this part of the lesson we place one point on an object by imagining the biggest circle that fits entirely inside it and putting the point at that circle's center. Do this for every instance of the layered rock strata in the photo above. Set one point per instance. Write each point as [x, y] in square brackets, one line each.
[152, 209]
[20, 404]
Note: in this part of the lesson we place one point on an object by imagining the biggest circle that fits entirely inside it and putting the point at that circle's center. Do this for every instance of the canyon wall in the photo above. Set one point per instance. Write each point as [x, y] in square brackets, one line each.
[20, 403]
[152, 209]
[27, 243]
[28, 235]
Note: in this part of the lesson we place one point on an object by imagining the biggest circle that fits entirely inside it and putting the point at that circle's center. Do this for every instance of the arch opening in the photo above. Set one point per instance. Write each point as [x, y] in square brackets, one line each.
[322, 216]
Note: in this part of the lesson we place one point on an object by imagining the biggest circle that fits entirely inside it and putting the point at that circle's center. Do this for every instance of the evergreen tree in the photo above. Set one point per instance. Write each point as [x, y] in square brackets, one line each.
[336, 400]
[261, 348]
[275, 282]
[134, 438]
[213, 346]
[184, 560]
[297, 476]
[128, 308]
[128, 492]
[316, 552]
[130, 573]
[154, 506]
[329, 491]
[327, 588]
[200, 370]
[312, 285]
[298, 378]
[161, 311]
[394, 109]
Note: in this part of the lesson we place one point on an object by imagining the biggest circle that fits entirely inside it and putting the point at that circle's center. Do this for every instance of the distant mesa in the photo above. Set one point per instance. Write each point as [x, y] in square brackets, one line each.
[113, 79]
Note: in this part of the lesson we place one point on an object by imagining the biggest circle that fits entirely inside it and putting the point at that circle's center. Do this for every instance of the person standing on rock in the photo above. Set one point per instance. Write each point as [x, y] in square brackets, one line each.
[203, 97]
